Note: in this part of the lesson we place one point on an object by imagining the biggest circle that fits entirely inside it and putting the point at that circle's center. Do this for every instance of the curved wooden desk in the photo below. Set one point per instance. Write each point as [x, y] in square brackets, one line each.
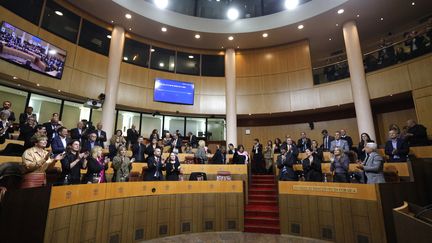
[137, 211]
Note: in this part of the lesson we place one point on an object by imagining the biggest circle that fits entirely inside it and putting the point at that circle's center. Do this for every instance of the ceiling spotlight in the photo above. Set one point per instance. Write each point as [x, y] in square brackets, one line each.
[413, 3]
[382, 19]
[197, 36]
[14, 77]
[291, 4]
[152, 50]
[58, 13]
[128, 16]
[161, 64]
[164, 29]
[340, 11]
[358, 15]
[230, 37]
[191, 57]
[337, 25]
[125, 58]
[52, 52]
[233, 14]
[38, 85]
[265, 35]
[330, 39]
[59, 90]
[161, 3]
[109, 36]
[238, 47]
[300, 27]
[222, 47]
[112, 21]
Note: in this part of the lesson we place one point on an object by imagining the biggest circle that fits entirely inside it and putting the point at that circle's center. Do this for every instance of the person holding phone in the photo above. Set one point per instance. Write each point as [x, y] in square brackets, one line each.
[72, 163]
[122, 165]
[96, 166]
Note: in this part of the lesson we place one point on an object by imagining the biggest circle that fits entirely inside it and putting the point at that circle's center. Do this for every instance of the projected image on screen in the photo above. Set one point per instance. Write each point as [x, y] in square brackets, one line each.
[171, 91]
[29, 51]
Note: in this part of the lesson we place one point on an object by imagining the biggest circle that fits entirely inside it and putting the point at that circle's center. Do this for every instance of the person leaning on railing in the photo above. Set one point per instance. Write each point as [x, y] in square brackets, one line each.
[36, 159]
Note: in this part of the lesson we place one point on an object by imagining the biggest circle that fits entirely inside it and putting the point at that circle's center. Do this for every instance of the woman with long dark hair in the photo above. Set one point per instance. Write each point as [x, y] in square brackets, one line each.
[172, 166]
[312, 166]
[365, 138]
[72, 163]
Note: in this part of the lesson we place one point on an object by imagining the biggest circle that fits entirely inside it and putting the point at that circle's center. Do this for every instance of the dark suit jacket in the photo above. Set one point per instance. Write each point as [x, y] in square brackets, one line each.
[132, 136]
[50, 131]
[154, 168]
[302, 146]
[93, 167]
[349, 140]
[6, 135]
[329, 140]
[219, 157]
[193, 141]
[402, 150]
[287, 172]
[26, 132]
[139, 156]
[23, 118]
[57, 145]
[101, 139]
[177, 145]
[419, 137]
[312, 172]
[11, 116]
[74, 133]
[86, 147]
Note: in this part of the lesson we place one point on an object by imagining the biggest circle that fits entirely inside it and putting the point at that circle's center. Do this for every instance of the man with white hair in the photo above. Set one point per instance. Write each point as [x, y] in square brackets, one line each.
[373, 165]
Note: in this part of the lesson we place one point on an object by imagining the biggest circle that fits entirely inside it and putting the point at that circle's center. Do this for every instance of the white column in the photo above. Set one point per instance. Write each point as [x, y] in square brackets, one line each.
[111, 86]
[230, 94]
[359, 87]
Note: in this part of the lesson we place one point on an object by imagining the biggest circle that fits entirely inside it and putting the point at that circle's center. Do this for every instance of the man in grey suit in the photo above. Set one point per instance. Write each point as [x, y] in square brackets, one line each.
[373, 167]
[338, 142]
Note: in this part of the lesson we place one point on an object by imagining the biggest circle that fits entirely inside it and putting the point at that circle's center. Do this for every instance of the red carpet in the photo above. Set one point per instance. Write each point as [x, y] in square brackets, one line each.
[262, 212]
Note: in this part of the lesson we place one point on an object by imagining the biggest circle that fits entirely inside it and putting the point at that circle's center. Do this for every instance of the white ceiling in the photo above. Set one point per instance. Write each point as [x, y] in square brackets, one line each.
[319, 26]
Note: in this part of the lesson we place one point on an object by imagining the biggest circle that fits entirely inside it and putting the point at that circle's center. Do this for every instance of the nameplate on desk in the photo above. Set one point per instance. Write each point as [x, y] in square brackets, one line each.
[325, 189]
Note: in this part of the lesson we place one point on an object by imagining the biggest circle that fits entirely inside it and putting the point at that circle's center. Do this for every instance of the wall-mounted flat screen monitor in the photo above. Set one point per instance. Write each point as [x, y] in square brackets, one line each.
[171, 91]
[31, 52]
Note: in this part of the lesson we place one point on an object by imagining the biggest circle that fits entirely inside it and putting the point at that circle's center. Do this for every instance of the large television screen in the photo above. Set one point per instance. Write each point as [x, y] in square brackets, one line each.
[31, 52]
[171, 91]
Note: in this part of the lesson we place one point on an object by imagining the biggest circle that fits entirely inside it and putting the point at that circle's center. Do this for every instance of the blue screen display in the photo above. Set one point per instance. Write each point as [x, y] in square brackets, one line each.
[171, 91]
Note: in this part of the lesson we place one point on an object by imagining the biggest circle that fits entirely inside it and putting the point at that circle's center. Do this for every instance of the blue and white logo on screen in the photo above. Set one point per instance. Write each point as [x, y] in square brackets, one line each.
[172, 91]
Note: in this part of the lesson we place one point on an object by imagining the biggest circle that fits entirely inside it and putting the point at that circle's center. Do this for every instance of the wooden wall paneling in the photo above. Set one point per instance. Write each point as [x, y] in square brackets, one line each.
[14, 70]
[212, 104]
[300, 79]
[91, 62]
[140, 217]
[197, 213]
[424, 113]
[250, 104]
[131, 95]
[336, 94]
[398, 117]
[420, 72]
[10, 17]
[135, 75]
[86, 85]
[267, 61]
[210, 210]
[277, 102]
[213, 86]
[305, 99]
[339, 227]
[388, 81]
[64, 44]
[275, 83]
[249, 85]
[46, 81]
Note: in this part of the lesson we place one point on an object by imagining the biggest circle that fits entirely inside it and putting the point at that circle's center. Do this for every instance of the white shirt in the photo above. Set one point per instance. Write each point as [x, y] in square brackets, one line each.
[63, 142]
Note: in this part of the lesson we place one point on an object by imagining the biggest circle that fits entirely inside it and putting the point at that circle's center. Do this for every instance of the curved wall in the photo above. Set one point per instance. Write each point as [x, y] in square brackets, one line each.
[270, 80]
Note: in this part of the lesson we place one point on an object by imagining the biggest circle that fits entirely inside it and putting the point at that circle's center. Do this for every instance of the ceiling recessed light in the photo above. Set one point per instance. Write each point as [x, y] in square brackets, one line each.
[191, 57]
[161, 3]
[413, 3]
[230, 37]
[109, 36]
[337, 25]
[164, 29]
[112, 21]
[14, 77]
[238, 47]
[128, 16]
[152, 50]
[19, 85]
[58, 13]
[358, 15]
[265, 35]
[341, 11]
[52, 52]
[382, 19]
[161, 64]
[233, 14]
[291, 4]
[300, 27]
[222, 47]
[37, 84]
[59, 90]
[197, 36]
[330, 39]
[125, 58]
[130, 29]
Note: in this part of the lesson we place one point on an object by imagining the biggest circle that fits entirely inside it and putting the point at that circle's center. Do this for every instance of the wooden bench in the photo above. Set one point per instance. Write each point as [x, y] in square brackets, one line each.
[10, 141]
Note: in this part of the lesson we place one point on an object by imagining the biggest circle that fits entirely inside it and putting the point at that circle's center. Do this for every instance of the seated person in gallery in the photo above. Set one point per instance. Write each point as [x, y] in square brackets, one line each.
[155, 165]
[241, 156]
[220, 155]
[373, 165]
[396, 148]
[312, 166]
[201, 153]
[416, 134]
[285, 163]
[231, 149]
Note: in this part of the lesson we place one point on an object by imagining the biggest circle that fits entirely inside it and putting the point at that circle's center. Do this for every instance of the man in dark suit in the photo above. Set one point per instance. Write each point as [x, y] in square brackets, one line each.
[175, 144]
[155, 164]
[101, 134]
[285, 163]
[416, 135]
[5, 126]
[220, 155]
[132, 136]
[78, 132]
[327, 139]
[91, 142]
[27, 130]
[24, 116]
[138, 150]
[303, 143]
[396, 148]
[60, 141]
[339, 142]
[231, 149]
[192, 140]
[347, 138]
[291, 147]
[7, 106]
[51, 127]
